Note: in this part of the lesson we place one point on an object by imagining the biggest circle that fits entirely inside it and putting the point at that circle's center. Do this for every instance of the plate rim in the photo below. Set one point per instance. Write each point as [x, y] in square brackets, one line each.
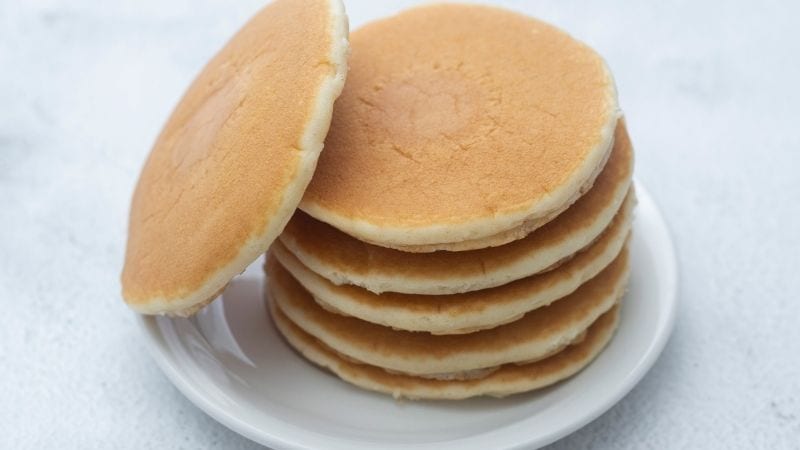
[159, 351]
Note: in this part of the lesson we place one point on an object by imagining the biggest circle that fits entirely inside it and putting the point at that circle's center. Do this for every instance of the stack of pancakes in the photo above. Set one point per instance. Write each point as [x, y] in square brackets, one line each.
[465, 230]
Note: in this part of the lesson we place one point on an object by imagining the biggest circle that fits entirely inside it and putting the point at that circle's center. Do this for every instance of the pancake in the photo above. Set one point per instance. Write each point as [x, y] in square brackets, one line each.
[536, 335]
[459, 313]
[232, 162]
[343, 259]
[506, 380]
[460, 122]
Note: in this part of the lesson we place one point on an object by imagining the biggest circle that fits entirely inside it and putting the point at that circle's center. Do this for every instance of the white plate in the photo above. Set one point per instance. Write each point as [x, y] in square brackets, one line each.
[232, 364]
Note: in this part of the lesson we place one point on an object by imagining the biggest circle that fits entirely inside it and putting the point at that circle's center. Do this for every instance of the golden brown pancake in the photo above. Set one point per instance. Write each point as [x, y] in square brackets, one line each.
[345, 260]
[459, 313]
[233, 160]
[506, 380]
[537, 334]
[459, 122]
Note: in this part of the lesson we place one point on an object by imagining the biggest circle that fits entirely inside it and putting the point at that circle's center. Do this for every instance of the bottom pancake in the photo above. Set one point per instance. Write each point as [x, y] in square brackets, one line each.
[537, 335]
[506, 380]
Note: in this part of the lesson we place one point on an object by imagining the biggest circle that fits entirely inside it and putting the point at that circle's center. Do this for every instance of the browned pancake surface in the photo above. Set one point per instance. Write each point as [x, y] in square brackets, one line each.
[218, 173]
[457, 113]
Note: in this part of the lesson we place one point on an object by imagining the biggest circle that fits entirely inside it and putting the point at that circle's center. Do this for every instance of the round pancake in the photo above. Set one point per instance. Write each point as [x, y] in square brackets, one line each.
[459, 313]
[536, 335]
[459, 122]
[345, 260]
[506, 380]
[232, 162]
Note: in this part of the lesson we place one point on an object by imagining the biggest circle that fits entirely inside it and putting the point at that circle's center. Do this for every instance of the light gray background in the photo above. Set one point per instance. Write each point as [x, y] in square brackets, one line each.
[711, 94]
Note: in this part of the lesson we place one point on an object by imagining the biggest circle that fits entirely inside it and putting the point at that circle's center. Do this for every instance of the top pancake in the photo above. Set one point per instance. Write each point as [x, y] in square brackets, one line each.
[460, 122]
[233, 160]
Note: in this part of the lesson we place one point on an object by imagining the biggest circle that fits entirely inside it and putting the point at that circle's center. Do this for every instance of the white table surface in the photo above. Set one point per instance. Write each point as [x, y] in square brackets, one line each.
[711, 95]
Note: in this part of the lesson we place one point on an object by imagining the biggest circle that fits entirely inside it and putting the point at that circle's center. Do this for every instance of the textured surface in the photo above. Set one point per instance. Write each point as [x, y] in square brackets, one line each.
[461, 122]
[233, 160]
[710, 96]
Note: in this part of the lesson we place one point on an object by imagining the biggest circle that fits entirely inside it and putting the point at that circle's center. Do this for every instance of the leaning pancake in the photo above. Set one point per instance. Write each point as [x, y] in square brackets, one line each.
[506, 380]
[459, 122]
[345, 260]
[233, 161]
[460, 313]
[536, 335]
